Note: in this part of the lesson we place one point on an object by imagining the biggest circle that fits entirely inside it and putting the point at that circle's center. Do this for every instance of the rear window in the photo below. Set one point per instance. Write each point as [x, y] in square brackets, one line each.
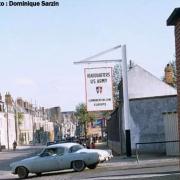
[75, 148]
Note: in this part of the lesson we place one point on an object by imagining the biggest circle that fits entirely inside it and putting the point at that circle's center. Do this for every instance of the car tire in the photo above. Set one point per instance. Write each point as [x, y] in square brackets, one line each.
[22, 172]
[38, 174]
[92, 166]
[78, 165]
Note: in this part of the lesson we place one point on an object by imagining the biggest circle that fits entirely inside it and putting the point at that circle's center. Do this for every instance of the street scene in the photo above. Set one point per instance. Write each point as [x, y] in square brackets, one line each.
[90, 90]
[120, 167]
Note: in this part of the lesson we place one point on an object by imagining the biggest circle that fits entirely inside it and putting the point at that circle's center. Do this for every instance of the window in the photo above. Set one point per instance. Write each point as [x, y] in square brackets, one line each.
[60, 151]
[49, 152]
[75, 148]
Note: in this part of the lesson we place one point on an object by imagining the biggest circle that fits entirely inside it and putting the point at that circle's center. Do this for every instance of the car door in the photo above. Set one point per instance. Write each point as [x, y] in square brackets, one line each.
[62, 158]
[46, 162]
[69, 156]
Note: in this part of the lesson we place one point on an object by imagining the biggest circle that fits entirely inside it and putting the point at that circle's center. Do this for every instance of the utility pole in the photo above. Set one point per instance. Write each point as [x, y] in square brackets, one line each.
[126, 102]
[125, 89]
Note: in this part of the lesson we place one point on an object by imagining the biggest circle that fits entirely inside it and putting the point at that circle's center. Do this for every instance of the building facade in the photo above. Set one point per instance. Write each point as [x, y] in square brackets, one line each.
[24, 123]
[149, 97]
[69, 124]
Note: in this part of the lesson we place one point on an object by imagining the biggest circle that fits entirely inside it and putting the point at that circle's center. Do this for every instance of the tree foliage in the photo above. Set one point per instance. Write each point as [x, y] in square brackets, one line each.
[84, 116]
[117, 75]
[20, 117]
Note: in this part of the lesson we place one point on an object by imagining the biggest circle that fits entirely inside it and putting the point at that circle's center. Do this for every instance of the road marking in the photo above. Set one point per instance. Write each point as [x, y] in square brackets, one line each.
[140, 176]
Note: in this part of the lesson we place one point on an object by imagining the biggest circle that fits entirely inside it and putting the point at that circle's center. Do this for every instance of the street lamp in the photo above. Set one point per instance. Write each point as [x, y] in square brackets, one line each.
[125, 88]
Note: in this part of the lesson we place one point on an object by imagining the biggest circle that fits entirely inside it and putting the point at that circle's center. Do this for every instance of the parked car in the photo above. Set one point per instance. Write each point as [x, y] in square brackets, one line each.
[58, 157]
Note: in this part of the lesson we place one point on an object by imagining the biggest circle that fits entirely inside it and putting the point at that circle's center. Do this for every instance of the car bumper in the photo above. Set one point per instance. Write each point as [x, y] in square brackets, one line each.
[104, 158]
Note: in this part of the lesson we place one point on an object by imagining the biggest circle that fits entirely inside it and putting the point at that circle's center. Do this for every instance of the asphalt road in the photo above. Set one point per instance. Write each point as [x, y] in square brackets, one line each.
[117, 168]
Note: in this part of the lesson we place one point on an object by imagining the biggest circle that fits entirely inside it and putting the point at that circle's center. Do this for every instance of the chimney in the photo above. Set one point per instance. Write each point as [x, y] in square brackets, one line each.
[20, 102]
[169, 75]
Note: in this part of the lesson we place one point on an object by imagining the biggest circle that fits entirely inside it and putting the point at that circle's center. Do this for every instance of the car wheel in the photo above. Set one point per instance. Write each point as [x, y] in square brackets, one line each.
[22, 172]
[78, 165]
[92, 166]
[38, 174]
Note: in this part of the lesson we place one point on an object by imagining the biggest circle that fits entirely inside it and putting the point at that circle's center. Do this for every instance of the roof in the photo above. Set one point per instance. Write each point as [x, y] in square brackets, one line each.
[142, 84]
[173, 17]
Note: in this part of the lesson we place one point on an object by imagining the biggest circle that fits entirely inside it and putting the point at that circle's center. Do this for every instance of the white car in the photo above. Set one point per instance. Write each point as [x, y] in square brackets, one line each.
[58, 157]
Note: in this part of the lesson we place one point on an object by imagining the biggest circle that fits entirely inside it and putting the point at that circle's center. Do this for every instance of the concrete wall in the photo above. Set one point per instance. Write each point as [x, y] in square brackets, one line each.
[147, 121]
[115, 146]
[146, 124]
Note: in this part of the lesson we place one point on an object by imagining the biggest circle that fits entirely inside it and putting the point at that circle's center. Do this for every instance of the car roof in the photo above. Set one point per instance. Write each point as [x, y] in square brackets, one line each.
[65, 145]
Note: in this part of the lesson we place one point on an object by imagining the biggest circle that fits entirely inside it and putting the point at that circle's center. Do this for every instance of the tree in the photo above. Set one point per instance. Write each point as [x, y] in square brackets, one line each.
[117, 77]
[84, 117]
[20, 117]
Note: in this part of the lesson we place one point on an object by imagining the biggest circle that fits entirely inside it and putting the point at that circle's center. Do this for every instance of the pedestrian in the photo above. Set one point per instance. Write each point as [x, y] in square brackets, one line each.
[88, 143]
[92, 145]
[14, 145]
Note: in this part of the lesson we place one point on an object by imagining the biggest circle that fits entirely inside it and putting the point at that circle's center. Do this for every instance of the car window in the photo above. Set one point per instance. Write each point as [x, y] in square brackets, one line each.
[60, 151]
[49, 152]
[75, 148]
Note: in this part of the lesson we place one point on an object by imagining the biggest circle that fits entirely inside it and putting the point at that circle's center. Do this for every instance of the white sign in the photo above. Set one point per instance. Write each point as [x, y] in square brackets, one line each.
[98, 83]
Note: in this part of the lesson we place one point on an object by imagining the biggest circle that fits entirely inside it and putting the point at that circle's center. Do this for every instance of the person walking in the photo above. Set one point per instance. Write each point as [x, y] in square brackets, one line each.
[14, 145]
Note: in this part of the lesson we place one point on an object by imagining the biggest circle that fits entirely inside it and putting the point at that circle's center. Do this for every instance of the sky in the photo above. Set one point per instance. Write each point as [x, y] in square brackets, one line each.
[39, 45]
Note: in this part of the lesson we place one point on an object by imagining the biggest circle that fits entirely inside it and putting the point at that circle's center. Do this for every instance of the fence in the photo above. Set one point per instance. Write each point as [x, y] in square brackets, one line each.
[158, 142]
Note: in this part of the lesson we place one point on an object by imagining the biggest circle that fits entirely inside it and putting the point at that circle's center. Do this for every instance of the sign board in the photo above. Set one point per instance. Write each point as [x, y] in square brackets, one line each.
[98, 82]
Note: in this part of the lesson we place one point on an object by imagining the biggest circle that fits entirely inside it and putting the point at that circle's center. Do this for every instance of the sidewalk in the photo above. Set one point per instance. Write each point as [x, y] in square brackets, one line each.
[124, 162]
[24, 147]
